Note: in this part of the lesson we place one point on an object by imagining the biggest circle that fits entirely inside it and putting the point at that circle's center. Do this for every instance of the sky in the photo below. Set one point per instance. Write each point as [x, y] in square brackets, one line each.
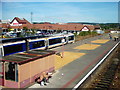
[62, 12]
[60, 0]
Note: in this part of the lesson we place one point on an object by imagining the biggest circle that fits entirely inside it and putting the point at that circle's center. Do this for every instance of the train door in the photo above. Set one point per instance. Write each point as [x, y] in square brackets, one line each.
[66, 39]
[47, 43]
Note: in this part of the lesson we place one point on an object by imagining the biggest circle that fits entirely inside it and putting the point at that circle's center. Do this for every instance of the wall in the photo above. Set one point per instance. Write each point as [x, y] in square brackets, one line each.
[29, 71]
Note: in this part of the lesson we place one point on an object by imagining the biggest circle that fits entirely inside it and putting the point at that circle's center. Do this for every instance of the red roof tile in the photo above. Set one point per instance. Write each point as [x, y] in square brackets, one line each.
[48, 26]
[21, 21]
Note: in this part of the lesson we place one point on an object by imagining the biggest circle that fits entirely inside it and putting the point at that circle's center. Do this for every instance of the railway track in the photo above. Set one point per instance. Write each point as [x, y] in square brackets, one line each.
[106, 79]
[103, 78]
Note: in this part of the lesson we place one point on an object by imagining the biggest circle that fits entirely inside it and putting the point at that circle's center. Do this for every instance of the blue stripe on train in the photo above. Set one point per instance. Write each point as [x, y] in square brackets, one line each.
[23, 48]
[31, 44]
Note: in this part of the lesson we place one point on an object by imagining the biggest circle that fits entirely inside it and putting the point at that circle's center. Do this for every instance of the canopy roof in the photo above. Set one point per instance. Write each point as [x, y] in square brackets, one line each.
[27, 56]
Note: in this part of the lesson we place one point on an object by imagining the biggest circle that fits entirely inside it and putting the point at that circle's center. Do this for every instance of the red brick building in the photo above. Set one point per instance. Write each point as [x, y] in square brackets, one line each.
[18, 23]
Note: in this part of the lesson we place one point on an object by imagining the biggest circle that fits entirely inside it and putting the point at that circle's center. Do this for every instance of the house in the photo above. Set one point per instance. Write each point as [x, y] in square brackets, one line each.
[18, 22]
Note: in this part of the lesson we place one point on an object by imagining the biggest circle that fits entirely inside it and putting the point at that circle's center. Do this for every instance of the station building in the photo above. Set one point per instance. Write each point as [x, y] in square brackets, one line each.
[20, 70]
[18, 24]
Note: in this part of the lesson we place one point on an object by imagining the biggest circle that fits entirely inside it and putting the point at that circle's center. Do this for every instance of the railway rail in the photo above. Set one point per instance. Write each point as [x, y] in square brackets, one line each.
[108, 76]
[104, 79]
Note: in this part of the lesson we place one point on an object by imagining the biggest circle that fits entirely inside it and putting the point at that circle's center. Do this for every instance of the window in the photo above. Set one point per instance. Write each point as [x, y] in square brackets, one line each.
[54, 41]
[71, 38]
[38, 44]
[10, 49]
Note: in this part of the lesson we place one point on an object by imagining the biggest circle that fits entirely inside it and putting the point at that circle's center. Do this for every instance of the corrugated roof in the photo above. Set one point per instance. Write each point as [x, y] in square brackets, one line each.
[27, 56]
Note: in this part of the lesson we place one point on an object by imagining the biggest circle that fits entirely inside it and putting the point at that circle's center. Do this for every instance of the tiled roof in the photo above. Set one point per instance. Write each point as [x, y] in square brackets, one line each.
[21, 21]
[48, 26]
[4, 25]
[77, 27]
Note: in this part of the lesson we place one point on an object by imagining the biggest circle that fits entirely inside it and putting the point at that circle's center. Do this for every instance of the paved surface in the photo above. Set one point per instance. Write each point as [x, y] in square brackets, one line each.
[67, 58]
[70, 74]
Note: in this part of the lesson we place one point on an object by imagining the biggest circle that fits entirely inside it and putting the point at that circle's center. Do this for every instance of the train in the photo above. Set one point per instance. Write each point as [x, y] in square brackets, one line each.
[17, 45]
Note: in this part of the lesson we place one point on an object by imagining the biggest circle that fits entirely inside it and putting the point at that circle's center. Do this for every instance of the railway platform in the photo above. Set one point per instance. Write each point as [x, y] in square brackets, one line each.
[78, 59]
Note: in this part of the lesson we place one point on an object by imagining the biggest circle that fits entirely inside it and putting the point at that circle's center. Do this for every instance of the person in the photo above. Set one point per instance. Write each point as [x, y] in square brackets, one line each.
[110, 36]
[46, 77]
[115, 38]
[40, 80]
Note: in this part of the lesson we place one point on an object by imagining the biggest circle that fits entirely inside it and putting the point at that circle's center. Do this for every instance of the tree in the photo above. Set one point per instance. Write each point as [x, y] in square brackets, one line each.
[33, 31]
[25, 28]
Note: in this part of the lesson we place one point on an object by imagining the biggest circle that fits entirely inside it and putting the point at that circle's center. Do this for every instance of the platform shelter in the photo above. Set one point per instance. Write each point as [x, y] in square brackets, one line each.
[21, 69]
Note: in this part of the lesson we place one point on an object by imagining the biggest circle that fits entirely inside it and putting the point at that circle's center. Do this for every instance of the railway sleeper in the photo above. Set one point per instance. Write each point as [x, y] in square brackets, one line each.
[112, 65]
[106, 77]
[109, 74]
[112, 69]
[102, 86]
[103, 83]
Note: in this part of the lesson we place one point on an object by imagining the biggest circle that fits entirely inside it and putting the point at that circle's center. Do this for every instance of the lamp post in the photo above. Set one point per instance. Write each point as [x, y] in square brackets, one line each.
[31, 17]
[63, 40]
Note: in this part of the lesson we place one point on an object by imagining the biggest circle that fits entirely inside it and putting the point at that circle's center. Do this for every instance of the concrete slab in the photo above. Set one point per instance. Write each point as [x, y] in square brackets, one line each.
[67, 58]
[100, 41]
[87, 47]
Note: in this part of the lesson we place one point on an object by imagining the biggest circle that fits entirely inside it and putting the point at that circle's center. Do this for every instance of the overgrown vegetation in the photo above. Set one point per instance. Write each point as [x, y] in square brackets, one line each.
[85, 34]
[109, 26]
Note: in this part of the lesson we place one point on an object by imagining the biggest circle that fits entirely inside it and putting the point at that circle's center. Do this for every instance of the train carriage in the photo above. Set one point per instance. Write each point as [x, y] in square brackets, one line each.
[37, 43]
[70, 38]
[55, 41]
[13, 45]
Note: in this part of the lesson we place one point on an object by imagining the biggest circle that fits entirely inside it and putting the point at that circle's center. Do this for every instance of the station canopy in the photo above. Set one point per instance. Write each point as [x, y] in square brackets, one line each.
[27, 56]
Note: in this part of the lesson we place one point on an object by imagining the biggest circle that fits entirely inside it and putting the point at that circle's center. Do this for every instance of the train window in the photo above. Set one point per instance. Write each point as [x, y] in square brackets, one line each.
[71, 38]
[12, 49]
[54, 41]
[38, 44]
